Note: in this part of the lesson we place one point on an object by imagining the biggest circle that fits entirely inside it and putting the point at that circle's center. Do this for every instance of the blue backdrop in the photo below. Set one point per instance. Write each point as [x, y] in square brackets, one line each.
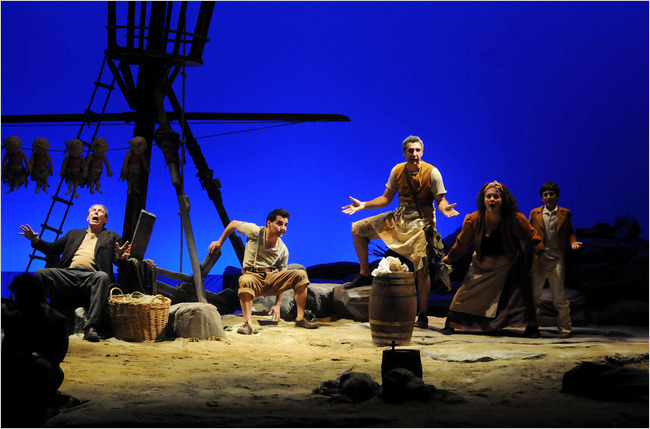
[520, 92]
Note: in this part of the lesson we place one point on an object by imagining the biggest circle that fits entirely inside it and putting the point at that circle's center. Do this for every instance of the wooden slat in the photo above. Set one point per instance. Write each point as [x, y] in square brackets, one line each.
[174, 275]
[209, 262]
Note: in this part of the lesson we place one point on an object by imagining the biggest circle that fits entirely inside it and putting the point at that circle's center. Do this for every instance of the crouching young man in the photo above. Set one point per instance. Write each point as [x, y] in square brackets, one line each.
[264, 271]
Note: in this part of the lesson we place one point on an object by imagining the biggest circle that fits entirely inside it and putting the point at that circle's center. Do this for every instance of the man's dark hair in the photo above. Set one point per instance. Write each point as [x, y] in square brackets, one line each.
[277, 212]
[412, 139]
[25, 288]
[550, 186]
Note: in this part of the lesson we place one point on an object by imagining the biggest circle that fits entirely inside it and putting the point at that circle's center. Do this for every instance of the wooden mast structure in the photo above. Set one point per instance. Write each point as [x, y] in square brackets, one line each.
[144, 61]
[158, 53]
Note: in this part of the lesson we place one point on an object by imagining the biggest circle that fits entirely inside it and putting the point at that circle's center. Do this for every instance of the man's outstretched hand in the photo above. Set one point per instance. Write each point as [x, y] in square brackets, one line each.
[124, 250]
[448, 210]
[28, 232]
[354, 207]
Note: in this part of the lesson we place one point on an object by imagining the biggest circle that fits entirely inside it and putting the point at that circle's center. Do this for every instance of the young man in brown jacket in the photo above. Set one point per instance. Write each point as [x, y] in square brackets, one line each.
[555, 225]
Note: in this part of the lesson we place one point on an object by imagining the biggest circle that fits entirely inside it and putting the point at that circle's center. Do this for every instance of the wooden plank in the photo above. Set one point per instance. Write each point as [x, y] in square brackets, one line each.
[174, 275]
[164, 287]
[142, 234]
[171, 116]
[209, 262]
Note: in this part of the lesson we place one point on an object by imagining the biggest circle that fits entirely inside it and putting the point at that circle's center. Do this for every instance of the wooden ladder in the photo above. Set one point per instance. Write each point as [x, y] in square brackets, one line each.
[47, 225]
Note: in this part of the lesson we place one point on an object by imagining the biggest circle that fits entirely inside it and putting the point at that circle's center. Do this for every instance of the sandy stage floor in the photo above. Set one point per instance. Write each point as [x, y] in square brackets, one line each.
[266, 379]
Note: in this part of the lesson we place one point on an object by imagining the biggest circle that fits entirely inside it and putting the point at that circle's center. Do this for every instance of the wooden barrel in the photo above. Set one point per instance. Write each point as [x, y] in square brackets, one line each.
[392, 308]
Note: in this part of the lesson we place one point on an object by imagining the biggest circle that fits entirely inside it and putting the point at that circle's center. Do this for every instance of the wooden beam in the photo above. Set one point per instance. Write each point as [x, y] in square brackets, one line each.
[174, 275]
[201, 30]
[92, 117]
[121, 82]
[112, 25]
[209, 262]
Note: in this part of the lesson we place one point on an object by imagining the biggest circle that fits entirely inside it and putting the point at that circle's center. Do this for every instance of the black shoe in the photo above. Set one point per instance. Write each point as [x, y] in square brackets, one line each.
[532, 332]
[90, 334]
[447, 330]
[422, 322]
[358, 281]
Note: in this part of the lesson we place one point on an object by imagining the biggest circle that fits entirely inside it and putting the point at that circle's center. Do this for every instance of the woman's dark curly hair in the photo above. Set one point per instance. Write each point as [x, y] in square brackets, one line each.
[508, 201]
[508, 213]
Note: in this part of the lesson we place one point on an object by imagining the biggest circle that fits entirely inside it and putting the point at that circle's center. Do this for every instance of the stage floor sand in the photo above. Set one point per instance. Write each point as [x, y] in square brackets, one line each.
[266, 379]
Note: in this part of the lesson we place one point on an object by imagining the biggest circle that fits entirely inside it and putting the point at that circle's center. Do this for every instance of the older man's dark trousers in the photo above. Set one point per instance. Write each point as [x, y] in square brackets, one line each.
[61, 283]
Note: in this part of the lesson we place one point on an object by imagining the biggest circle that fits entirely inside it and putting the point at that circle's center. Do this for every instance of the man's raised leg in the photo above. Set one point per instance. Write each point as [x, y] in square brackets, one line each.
[361, 247]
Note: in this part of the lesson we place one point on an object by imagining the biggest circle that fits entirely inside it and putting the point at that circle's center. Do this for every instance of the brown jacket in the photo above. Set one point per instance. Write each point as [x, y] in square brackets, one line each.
[565, 231]
[472, 232]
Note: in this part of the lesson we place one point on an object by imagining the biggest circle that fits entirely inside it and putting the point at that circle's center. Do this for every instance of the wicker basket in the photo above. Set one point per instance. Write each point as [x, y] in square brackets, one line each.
[137, 317]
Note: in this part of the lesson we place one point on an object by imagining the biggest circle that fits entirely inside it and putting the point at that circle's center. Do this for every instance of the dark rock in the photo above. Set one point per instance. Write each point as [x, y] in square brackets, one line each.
[622, 312]
[296, 267]
[619, 360]
[447, 397]
[319, 302]
[626, 227]
[587, 254]
[194, 320]
[624, 276]
[636, 269]
[262, 305]
[226, 301]
[400, 384]
[599, 272]
[320, 299]
[333, 271]
[612, 249]
[352, 303]
[327, 388]
[607, 382]
[358, 386]
[600, 230]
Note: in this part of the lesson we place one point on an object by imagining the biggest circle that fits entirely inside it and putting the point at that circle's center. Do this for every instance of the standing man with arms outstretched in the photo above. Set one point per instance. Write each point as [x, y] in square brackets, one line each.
[401, 230]
[264, 269]
[86, 264]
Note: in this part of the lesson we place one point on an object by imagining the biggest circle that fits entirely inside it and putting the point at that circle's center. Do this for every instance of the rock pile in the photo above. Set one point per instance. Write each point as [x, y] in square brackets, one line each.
[610, 380]
[399, 385]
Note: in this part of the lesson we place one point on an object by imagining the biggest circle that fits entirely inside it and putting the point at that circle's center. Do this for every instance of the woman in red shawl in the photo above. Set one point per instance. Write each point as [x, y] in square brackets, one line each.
[496, 291]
